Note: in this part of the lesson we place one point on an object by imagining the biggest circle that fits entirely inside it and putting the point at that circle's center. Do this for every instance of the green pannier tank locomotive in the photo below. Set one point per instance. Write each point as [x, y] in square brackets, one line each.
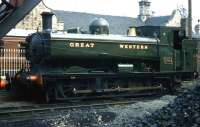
[68, 66]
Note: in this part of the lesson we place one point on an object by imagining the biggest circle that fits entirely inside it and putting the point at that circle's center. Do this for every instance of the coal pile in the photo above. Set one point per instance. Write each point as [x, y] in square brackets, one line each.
[114, 116]
[82, 118]
[183, 112]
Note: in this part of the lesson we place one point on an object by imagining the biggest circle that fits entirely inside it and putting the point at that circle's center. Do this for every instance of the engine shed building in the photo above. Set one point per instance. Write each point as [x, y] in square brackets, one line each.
[118, 24]
[14, 38]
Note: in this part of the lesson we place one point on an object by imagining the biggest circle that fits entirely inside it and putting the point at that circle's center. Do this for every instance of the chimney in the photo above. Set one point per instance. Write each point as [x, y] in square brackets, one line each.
[47, 21]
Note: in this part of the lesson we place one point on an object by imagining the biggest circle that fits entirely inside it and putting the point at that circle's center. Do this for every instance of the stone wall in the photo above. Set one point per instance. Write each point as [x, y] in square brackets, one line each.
[33, 20]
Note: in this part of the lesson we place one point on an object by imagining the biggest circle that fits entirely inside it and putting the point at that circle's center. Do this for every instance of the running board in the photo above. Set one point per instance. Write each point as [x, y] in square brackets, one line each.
[117, 90]
[136, 92]
[133, 95]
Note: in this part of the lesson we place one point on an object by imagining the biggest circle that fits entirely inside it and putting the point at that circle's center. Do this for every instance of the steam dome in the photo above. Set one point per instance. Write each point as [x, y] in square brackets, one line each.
[99, 26]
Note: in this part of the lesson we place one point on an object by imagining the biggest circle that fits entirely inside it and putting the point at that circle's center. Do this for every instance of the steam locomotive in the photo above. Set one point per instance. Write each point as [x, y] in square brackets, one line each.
[68, 66]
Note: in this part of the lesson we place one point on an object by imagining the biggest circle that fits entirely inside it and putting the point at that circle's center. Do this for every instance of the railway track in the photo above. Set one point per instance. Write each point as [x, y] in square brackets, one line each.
[40, 111]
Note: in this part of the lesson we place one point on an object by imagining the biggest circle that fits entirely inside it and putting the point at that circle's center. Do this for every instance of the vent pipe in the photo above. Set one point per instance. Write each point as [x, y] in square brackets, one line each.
[190, 19]
[47, 21]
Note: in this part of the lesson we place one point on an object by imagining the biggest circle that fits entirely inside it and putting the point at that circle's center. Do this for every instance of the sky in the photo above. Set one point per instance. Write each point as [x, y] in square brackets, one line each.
[122, 7]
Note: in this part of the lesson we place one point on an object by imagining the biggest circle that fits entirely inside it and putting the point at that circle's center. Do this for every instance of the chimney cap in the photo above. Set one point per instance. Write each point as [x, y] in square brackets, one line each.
[47, 13]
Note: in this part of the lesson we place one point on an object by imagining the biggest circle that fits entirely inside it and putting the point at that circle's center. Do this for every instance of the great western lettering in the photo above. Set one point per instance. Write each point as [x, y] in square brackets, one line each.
[134, 47]
[81, 45]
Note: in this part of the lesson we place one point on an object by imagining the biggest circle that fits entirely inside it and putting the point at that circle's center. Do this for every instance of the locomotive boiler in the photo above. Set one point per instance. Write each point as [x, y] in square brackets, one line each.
[69, 66]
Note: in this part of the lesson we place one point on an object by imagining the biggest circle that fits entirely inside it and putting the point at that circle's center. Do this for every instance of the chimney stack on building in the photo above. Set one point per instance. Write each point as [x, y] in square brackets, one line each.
[145, 12]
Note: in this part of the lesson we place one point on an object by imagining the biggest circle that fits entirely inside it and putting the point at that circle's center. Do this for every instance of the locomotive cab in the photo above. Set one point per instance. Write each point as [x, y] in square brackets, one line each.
[172, 37]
